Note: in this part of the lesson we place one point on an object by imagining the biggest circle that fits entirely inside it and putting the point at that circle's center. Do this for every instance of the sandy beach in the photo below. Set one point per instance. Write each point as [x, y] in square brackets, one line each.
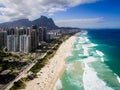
[49, 74]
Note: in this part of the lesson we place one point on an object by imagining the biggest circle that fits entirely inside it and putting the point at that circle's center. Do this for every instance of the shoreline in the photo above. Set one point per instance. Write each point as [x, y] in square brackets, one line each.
[50, 73]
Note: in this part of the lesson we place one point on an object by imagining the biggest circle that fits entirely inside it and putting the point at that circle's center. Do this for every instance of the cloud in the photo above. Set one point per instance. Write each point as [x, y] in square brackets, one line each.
[17, 9]
[83, 23]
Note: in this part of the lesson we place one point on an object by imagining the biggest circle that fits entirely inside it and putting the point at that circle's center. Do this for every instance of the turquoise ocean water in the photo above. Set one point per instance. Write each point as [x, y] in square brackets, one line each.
[94, 62]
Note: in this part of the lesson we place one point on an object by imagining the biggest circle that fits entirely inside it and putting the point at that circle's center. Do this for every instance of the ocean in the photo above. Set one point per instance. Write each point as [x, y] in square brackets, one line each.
[94, 63]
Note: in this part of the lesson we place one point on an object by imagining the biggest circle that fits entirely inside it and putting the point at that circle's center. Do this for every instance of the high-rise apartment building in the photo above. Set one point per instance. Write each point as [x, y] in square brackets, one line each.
[34, 39]
[15, 42]
[24, 39]
[42, 33]
[12, 43]
[50, 36]
[3, 39]
[25, 43]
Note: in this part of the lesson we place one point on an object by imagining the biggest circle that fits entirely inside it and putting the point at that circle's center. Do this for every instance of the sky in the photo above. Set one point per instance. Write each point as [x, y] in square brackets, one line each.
[65, 13]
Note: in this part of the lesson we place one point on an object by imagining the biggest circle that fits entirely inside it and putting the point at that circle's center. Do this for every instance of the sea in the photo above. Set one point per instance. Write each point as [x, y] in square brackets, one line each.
[94, 62]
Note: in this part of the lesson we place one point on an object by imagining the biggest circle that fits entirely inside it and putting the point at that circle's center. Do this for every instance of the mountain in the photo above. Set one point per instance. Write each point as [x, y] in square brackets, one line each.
[42, 21]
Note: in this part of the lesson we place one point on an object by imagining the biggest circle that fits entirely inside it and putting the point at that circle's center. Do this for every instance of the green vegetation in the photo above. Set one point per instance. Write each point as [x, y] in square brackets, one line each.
[12, 65]
[8, 56]
[14, 73]
[29, 58]
[3, 55]
[4, 79]
[20, 84]
[41, 63]
[11, 62]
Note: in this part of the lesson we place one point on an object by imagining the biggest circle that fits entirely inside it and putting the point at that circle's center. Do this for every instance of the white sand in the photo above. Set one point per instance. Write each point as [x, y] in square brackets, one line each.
[49, 74]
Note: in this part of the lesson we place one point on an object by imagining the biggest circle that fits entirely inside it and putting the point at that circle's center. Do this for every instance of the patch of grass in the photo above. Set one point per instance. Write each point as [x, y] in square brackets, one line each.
[18, 85]
[8, 55]
[36, 68]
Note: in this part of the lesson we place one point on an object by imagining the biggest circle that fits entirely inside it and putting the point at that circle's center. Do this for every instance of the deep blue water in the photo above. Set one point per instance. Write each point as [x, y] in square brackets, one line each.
[109, 43]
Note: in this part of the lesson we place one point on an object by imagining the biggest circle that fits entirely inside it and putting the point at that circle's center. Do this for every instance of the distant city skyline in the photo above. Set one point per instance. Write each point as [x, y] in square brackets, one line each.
[66, 13]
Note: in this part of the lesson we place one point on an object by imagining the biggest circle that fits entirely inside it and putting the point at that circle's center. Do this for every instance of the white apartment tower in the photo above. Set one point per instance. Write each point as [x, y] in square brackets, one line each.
[12, 43]
[25, 43]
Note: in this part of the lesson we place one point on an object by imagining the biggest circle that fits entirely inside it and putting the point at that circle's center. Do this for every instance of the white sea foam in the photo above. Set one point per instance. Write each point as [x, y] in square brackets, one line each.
[74, 77]
[102, 59]
[85, 51]
[91, 80]
[86, 39]
[78, 47]
[90, 59]
[58, 85]
[84, 32]
[92, 45]
[81, 40]
[76, 82]
[99, 53]
[80, 54]
[69, 67]
[118, 78]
